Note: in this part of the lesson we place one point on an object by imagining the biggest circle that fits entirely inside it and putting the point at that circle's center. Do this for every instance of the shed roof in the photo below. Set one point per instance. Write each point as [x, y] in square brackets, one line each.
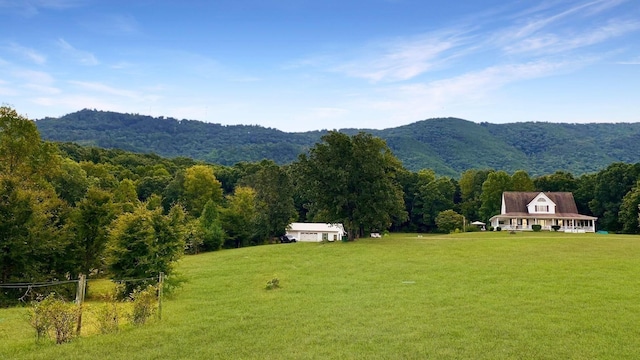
[316, 227]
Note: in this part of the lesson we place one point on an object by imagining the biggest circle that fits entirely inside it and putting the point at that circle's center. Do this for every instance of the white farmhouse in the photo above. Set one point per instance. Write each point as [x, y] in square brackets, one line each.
[520, 210]
[316, 232]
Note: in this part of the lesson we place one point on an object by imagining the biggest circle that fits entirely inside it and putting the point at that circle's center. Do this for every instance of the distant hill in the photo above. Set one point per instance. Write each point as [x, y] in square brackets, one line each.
[447, 145]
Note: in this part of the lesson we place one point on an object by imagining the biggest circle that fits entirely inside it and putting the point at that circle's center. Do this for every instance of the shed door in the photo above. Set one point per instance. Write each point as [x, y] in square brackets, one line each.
[309, 236]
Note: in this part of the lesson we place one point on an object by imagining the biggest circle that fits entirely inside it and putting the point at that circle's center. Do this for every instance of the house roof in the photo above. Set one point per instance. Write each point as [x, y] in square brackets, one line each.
[517, 201]
[515, 204]
[315, 227]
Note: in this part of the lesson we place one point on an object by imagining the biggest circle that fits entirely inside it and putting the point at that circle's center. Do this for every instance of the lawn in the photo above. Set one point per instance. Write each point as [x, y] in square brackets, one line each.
[462, 296]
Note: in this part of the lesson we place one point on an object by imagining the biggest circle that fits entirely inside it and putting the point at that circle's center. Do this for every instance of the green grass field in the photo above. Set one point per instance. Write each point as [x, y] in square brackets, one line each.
[463, 296]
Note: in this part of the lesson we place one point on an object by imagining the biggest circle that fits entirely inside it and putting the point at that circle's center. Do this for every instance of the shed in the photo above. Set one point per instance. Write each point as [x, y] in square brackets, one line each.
[316, 232]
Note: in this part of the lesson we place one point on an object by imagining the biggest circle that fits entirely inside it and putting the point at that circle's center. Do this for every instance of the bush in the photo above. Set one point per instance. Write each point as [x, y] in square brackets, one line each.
[555, 227]
[145, 304]
[39, 318]
[472, 228]
[536, 227]
[491, 228]
[108, 315]
[498, 228]
[273, 284]
[53, 313]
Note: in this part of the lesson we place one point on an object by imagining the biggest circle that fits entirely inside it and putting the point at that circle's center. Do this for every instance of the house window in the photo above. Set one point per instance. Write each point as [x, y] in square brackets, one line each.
[542, 208]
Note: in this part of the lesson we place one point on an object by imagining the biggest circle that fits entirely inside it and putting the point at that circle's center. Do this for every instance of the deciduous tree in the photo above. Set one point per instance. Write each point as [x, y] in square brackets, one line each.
[352, 180]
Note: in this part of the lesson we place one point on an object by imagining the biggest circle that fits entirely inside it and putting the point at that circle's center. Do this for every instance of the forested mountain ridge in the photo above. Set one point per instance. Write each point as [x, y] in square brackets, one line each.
[447, 145]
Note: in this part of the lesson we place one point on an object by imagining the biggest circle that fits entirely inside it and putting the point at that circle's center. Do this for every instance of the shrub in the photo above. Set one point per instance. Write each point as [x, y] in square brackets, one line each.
[491, 228]
[536, 227]
[53, 313]
[39, 317]
[145, 304]
[498, 228]
[108, 315]
[472, 228]
[273, 284]
[555, 227]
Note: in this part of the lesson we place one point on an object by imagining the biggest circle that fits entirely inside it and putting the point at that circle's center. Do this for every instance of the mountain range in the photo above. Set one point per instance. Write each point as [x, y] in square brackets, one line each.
[449, 146]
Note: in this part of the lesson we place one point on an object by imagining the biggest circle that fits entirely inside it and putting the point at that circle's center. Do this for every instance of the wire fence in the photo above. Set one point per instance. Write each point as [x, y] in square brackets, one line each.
[34, 284]
[24, 285]
[26, 291]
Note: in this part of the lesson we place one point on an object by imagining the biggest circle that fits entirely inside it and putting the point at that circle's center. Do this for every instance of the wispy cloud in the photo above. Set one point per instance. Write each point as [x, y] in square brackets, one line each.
[401, 59]
[80, 56]
[33, 76]
[104, 89]
[635, 61]
[112, 24]
[413, 101]
[27, 53]
[538, 35]
[32, 8]
[564, 42]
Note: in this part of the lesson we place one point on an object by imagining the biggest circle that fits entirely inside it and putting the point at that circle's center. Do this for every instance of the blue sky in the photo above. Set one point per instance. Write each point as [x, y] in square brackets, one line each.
[300, 65]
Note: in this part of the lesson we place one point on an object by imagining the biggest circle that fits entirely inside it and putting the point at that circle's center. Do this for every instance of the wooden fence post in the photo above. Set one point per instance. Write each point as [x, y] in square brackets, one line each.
[82, 285]
[160, 286]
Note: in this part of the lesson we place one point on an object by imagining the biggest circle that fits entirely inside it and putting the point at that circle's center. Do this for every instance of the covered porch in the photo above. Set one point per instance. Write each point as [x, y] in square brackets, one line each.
[579, 224]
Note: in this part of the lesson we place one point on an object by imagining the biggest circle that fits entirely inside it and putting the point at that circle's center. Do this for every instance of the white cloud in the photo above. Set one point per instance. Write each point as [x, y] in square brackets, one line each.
[564, 42]
[33, 76]
[104, 89]
[33, 7]
[100, 88]
[112, 24]
[27, 53]
[401, 59]
[476, 88]
[82, 57]
[42, 89]
[635, 61]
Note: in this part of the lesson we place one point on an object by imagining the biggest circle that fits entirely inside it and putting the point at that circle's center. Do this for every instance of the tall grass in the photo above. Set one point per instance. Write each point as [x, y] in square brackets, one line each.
[464, 296]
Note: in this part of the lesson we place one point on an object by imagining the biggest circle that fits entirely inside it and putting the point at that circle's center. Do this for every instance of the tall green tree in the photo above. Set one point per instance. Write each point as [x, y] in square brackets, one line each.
[470, 192]
[492, 189]
[33, 232]
[629, 210]
[200, 186]
[436, 196]
[70, 182]
[144, 243]
[520, 181]
[610, 186]
[90, 228]
[22, 153]
[125, 196]
[239, 217]
[560, 181]
[210, 224]
[274, 198]
[352, 180]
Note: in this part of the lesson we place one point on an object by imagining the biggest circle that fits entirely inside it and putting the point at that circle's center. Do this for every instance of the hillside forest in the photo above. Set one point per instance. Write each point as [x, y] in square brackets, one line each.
[69, 209]
[448, 146]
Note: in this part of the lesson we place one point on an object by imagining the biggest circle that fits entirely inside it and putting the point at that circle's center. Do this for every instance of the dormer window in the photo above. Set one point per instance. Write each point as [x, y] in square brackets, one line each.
[542, 208]
[541, 204]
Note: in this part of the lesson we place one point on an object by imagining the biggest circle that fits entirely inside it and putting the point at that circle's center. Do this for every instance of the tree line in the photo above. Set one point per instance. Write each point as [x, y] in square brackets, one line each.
[67, 209]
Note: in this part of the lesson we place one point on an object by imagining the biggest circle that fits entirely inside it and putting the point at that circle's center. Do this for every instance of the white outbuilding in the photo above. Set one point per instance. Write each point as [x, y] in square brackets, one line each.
[316, 232]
